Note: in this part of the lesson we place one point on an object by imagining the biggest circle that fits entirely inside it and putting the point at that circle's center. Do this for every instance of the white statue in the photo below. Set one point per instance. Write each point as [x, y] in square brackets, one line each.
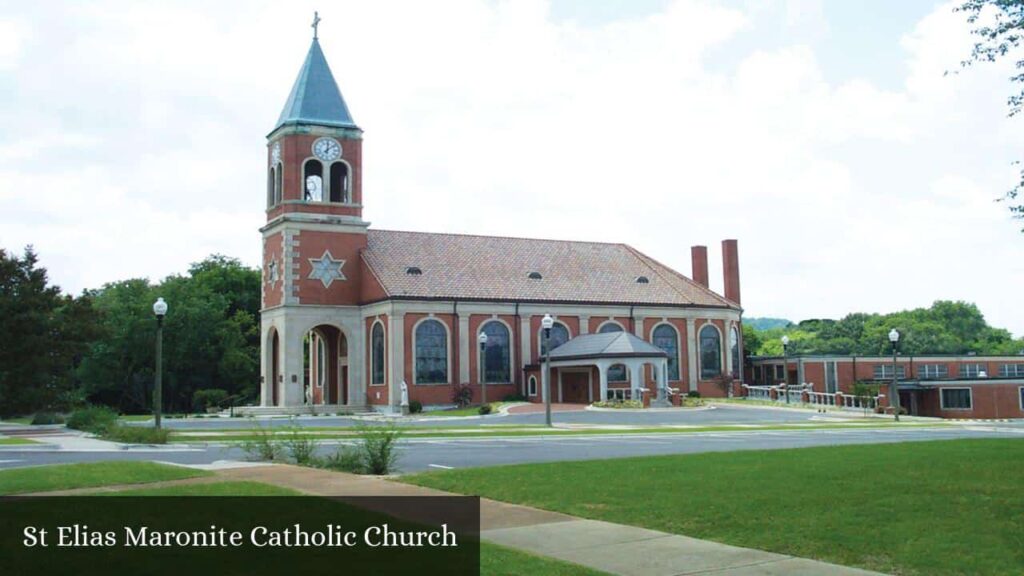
[309, 395]
[314, 188]
[405, 394]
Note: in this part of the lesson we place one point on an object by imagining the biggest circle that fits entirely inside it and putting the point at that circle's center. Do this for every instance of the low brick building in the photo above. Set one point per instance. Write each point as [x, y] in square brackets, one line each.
[944, 386]
[351, 314]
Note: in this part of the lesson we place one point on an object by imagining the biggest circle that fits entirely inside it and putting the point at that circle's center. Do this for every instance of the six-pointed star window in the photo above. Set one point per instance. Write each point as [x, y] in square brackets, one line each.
[326, 269]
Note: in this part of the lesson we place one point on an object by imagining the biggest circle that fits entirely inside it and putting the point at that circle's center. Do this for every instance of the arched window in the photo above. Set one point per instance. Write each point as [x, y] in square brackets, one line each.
[377, 354]
[278, 175]
[313, 181]
[531, 389]
[666, 338]
[710, 352]
[497, 354]
[559, 335]
[734, 349]
[431, 353]
[271, 192]
[339, 182]
[616, 373]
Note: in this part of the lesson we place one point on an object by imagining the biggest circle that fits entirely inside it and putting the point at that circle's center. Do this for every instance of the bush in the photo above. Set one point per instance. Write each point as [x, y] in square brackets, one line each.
[95, 419]
[300, 446]
[514, 398]
[485, 409]
[462, 395]
[693, 394]
[262, 446]
[631, 404]
[689, 402]
[344, 459]
[378, 447]
[136, 434]
[415, 407]
[40, 418]
[209, 398]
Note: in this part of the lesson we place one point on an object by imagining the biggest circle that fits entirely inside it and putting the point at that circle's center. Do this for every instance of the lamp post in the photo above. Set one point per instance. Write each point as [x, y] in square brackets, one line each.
[482, 339]
[160, 310]
[894, 390]
[547, 322]
[785, 365]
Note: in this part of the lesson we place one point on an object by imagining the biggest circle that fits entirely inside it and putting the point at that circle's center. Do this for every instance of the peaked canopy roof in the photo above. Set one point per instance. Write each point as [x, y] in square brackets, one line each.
[315, 97]
[607, 345]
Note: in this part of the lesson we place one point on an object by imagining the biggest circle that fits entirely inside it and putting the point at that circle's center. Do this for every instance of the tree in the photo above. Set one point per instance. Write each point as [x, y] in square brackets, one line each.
[1000, 29]
[43, 335]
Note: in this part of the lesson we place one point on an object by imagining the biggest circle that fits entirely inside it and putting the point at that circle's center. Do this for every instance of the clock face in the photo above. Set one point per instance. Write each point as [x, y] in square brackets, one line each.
[327, 149]
[275, 153]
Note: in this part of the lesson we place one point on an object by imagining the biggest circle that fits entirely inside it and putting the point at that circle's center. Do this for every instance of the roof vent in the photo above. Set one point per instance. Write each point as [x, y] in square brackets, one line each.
[534, 276]
[413, 271]
[642, 280]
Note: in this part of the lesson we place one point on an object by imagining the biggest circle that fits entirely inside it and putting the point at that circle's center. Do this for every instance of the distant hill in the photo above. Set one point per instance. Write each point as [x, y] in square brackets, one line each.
[766, 323]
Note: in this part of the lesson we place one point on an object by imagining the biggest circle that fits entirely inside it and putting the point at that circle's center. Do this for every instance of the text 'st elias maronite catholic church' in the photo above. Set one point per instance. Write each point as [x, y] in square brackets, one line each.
[351, 313]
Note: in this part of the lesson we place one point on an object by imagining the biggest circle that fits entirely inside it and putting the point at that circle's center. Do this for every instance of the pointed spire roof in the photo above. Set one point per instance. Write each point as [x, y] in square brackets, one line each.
[315, 98]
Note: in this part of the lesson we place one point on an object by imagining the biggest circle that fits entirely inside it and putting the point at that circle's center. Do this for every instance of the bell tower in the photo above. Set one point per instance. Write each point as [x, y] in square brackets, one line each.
[312, 241]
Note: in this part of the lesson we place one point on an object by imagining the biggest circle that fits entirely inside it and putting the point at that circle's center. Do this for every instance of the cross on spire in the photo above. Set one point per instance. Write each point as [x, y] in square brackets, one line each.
[316, 23]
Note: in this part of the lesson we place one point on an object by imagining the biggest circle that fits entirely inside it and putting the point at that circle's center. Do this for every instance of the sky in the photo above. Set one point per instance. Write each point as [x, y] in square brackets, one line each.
[825, 136]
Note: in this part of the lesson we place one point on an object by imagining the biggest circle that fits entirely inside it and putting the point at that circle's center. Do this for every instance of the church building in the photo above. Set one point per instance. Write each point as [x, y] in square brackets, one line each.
[352, 315]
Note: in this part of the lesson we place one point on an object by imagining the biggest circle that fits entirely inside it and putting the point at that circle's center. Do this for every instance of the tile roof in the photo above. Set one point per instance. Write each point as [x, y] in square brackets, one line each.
[315, 97]
[455, 266]
[609, 345]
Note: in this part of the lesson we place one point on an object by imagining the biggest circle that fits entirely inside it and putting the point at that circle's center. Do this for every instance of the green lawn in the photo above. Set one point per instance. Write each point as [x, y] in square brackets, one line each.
[18, 420]
[226, 488]
[945, 507]
[16, 441]
[68, 476]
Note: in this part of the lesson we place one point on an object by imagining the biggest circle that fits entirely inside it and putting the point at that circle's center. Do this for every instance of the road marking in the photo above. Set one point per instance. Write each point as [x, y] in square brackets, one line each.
[440, 466]
[9, 461]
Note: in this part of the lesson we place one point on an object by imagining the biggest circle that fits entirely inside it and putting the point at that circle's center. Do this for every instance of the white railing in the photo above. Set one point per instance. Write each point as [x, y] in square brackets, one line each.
[805, 394]
[619, 394]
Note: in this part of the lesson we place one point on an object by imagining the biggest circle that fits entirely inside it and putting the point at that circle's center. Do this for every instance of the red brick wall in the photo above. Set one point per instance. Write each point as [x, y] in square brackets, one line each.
[272, 293]
[312, 244]
[370, 289]
[988, 401]
[297, 148]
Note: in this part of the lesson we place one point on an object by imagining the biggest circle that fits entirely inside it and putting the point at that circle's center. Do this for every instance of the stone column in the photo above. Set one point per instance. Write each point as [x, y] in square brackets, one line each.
[691, 354]
[602, 369]
[463, 348]
[396, 367]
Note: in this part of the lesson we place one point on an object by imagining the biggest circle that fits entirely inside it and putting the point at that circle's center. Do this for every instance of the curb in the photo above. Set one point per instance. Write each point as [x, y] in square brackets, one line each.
[677, 410]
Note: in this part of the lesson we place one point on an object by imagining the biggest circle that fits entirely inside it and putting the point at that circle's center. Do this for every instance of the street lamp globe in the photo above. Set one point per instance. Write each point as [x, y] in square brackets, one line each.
[785, 340]
[894, 336]
[547, 322]
[482, 339]
[160, 307]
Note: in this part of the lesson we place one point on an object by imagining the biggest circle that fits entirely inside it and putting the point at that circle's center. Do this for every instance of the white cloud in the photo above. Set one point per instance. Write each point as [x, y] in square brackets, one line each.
[140, 137]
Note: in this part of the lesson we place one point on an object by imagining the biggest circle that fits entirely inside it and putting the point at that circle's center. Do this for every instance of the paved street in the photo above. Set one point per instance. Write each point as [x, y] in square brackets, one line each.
[419, 454]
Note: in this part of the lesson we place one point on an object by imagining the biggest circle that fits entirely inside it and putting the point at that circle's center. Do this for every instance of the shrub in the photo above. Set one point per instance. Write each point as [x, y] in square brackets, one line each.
[209, 398]
[344, 459]
[95, 419]
[300, 446]
[262, 445]
[378, 447]
[514, 398]
[631, 404]
[415, 407]
[485, 409]
[40, 418]
[691, 402]
[693, 394]
[136, 434]
[462, 395]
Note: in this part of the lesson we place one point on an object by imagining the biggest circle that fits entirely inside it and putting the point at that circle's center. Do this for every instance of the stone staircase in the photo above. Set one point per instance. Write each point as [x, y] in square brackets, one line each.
[304, 410]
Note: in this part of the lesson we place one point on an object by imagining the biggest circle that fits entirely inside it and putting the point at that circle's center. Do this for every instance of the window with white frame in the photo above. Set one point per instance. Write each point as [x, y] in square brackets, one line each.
[1020, 392]
[884, 372]
[780, 372]
[956, 398]
[531, 388]
[971, 370]
[666, 338]
[932, 371]
[1011, 371]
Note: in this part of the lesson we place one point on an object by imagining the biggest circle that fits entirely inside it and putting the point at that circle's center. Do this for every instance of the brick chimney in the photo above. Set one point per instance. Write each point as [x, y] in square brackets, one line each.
[699, 258]
[730, 268]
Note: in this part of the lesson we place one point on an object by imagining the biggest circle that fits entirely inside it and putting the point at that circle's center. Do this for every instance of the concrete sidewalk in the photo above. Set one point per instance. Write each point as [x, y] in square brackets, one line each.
[605, 546]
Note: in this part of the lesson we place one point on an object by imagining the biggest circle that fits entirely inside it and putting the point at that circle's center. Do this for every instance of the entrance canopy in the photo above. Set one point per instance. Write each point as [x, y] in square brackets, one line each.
[608, 349]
